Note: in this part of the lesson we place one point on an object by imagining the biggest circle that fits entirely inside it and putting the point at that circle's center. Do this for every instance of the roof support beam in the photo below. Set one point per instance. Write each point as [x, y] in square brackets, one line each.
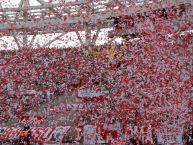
[96, 36]
[20, 6]
[42, 2]
[56, 38]
[17, 42]
[79, 38]
[32, 40]
[4, 13]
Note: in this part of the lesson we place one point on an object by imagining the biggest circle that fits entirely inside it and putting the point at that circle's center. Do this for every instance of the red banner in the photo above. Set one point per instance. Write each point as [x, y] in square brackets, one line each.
[32, 120]
[40, 134]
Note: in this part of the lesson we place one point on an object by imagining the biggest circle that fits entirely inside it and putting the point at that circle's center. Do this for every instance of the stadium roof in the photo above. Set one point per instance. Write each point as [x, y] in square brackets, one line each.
[73, 22]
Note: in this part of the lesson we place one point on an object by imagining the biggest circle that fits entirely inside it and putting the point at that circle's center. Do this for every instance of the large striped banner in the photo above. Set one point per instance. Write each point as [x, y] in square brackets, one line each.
[39, 134]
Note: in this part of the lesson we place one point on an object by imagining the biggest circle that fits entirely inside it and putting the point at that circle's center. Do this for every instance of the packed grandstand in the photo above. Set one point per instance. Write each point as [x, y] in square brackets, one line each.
[137, 92]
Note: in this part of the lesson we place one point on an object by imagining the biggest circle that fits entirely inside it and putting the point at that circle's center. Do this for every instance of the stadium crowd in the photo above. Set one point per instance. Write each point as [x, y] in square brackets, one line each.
[127, 91]
[139, 83]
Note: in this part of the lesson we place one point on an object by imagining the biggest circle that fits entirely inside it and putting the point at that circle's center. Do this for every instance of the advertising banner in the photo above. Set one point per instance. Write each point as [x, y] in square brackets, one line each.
[40, 134]
[170, 135]
[89, 135]
[88, 93]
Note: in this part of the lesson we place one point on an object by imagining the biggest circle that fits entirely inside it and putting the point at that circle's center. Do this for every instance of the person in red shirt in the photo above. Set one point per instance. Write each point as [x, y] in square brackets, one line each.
[25, 135]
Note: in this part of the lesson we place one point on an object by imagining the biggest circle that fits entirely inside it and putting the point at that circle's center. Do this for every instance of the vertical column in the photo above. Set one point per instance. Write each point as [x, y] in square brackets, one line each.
[25, 19]
[87, 34]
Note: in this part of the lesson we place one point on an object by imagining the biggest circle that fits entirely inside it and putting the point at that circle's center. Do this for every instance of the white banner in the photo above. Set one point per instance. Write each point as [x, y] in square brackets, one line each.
[75, 106]
[170, 135]
[88, 93]
[89, 135]
[144, 133]
[28, 92]
[58, 134]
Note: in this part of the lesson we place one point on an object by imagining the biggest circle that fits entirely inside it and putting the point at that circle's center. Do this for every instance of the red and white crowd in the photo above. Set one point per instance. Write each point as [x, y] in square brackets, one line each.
[136, 83]
[144, 82]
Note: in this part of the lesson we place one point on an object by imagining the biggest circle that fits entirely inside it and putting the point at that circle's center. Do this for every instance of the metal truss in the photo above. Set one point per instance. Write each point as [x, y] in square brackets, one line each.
[86, 15]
